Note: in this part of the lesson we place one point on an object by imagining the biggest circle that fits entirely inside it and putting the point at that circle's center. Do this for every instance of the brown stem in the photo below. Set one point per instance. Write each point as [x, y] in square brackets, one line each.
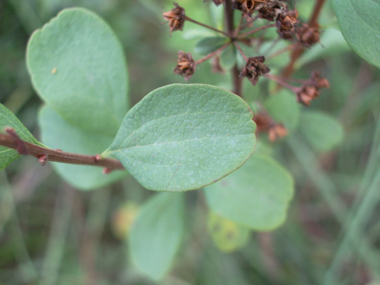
[256, 30]
[281, 82]
[206, 26]
[299, 49]
[44, 154]
[241, 51]
[229, 18]
[210, 55]
[249, 22]
[280, 51]
[239, 26]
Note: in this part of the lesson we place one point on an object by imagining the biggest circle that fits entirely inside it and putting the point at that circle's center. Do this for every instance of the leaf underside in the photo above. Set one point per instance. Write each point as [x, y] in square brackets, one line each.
[183, 137]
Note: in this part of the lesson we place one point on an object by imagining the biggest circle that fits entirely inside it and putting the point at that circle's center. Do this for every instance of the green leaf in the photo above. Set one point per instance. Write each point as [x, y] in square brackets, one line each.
[227, 235]
[256, 195]
[360, 25]
[78, 68]
[157, 233]
[210, 44]
[59, 134]
[8, 119]
[283, 108]
[228, 57]
[185, 136]
[320, 130]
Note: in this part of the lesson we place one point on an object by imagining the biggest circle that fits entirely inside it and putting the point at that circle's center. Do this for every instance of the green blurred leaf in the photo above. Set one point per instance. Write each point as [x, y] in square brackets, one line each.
[157, 233]
[185, 136]
[320, 130]
[257, 195]
[59, 134]
[196, 33]
[228, 57]
[78, 68]
[8, 119]
[226, 234]
[332, 42]
[284, 108]
[360, 24]
[210, 44]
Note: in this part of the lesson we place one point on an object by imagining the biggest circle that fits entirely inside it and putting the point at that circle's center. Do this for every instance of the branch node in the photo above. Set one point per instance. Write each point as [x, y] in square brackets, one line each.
[97, 157]
[20, 145]
[43, 159]
[106, 170]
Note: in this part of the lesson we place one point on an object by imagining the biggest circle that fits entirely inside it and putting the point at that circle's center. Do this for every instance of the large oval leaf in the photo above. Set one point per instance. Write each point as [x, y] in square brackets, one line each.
[320, 130]
[78, 67]
[183, 137]
[157, 233]
[58, 133]
[256, 195]
[360, 24]
[8, 119]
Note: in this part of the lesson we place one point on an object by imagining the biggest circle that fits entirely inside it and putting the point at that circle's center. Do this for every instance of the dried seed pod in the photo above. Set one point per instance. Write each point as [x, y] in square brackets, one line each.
[276, 132]
[307, 35]
[176, 18]
[286, 22]
[247, 6]
[265, 124]
[310, 90]
[254, 68]
[270, 10]
[307, 93]
[185, 65]
[319, 81]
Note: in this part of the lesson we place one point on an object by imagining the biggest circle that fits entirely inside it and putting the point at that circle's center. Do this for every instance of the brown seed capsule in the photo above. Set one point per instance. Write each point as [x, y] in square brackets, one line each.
[276, 132]
[265, 124]
[319, 81]
[270, 10]
[254, 68]
[286, 22]
[246, 6]
[185, 65]
[307, 36]
[176, 18]
[307, 93]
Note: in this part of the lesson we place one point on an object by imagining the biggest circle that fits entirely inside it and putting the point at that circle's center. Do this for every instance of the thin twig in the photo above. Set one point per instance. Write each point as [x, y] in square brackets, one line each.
[249, 22]
[241, 51]
[239, 26]
[281, 82]
[280, 51]
[256, 30]
[210, 55]
[206, 26]
[58, 155]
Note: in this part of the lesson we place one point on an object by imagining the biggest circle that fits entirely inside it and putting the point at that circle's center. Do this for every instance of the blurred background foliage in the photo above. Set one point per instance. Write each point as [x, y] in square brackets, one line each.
[53, 234]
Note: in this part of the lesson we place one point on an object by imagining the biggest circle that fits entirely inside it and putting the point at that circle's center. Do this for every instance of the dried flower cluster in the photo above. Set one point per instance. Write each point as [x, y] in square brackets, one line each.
[310, 90]
[265, 124]
[185, 65]
[176, 18]
[286, 22]
[254, 68]
[287, 26]
[307, 36]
